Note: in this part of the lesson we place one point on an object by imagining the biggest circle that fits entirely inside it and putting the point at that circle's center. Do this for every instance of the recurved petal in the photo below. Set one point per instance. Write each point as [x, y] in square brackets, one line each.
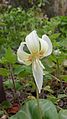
[49, 44]
[38, 74]
[32, 42]
[44, 48]
[22, 56]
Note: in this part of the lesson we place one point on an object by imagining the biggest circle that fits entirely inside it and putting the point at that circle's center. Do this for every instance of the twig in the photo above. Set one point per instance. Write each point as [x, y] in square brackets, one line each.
[55, 77]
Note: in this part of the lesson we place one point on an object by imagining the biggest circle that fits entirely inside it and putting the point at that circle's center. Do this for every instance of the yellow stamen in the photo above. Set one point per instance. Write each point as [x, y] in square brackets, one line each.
[41, 53]
[35, 55]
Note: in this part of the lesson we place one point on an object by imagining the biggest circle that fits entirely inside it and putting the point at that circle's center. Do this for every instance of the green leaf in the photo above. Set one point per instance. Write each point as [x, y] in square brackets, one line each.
[4, 72]
[52, 98]
[5, 104]
[63, 114]
[47, 88]
[22, 71]
[9, 57]
[9, 84]
[54, 36]
[64, 77]
[60, 96]
[30, 110]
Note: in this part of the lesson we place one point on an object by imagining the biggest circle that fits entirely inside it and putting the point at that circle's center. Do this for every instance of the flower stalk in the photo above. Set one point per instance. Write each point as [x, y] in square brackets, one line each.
[37, 95]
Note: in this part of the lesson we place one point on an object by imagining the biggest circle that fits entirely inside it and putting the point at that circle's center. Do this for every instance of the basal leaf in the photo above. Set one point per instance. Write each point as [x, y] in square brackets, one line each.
[63, 114]
[30, 110]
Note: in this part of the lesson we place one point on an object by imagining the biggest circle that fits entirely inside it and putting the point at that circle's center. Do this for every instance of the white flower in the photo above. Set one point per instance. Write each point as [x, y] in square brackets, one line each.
[39, 48]
[57, 52]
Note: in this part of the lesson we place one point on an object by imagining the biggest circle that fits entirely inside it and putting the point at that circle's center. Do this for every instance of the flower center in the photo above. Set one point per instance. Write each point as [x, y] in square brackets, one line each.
[36, 55]
[41, 53]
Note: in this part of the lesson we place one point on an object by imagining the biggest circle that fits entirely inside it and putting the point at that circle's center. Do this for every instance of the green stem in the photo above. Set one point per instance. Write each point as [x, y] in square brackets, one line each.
[14, 87]
[12, 77]
[37, 94]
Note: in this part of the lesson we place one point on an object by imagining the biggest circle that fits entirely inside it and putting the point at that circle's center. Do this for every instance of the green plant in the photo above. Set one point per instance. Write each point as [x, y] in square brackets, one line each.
[30, 110]
[15, 24]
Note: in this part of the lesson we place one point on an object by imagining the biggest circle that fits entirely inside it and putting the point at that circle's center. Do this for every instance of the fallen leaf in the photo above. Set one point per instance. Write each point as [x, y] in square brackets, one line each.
[14, 109]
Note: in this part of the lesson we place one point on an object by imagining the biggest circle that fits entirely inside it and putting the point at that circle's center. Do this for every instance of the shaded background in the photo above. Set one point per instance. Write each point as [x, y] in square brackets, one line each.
[49, 7]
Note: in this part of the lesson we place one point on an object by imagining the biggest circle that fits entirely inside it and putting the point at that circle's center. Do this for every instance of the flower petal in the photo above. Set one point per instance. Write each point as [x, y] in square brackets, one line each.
[23, 57]
[47, 40]
[32, 42]
[41, 64]
[44, 48]
[38, 74]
